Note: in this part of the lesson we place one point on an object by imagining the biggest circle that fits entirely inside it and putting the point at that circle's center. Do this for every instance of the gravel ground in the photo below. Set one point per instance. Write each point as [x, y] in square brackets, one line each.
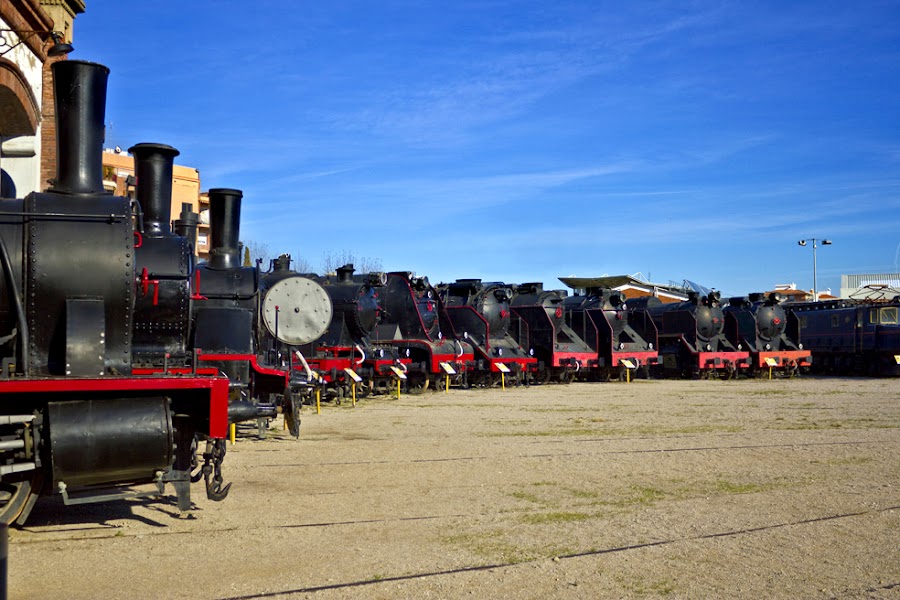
[679, 489]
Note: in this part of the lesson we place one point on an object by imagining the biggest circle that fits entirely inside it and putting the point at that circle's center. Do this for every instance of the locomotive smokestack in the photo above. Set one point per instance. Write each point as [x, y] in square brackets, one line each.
[79, 91]
[153, 165]
[282, 263]
[225, 228]
[345, 273]
[187, 222]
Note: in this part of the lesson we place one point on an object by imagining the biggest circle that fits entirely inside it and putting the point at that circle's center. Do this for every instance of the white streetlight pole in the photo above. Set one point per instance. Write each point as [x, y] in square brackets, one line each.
[815, 274]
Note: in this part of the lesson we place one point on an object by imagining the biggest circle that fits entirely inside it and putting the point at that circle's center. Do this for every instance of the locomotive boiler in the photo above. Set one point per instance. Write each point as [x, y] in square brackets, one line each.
[762, 326]
[74, 314]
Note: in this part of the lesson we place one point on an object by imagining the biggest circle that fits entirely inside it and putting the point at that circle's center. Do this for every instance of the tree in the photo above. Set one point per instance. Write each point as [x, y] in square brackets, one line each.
[362, 264]
[257, 251]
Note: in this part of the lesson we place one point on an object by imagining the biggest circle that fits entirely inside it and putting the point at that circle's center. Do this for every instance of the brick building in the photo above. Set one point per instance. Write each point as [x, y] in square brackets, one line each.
[27, 130]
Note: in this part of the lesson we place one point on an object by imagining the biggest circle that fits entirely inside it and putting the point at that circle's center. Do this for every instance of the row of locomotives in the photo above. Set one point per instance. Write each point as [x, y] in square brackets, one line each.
[77, 314]
[226, 320]
[562, 354]
[415, 325]
[692, 340]
[479, 313]
[760, 324]
[623, 340]
[344, 355]
[852, 336]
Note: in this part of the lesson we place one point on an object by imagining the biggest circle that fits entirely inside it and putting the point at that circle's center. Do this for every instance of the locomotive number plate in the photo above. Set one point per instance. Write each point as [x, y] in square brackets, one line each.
[448, 369]
[352, 374]
[400, 374]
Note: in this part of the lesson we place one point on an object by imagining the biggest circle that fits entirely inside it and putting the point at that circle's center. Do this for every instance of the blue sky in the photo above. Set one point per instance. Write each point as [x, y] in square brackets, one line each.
[527, 140]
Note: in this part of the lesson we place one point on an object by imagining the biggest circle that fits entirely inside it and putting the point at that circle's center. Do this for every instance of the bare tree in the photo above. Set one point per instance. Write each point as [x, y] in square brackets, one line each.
[301, 264]
[362, 264]
[258, 251]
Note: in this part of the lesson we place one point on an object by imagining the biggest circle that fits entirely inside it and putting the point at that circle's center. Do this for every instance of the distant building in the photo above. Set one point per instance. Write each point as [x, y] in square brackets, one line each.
[630, 286]
[852, 284]
[792, 294]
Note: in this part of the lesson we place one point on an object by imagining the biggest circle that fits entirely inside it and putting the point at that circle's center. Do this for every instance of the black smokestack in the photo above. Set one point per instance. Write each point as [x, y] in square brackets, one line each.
[79, 91]
[186, 224]
[225, 228]
[153, 167]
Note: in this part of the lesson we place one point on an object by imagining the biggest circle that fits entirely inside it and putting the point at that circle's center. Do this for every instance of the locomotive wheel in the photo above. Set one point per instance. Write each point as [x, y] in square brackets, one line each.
[416, 384]
[14, 498]
[545, 376]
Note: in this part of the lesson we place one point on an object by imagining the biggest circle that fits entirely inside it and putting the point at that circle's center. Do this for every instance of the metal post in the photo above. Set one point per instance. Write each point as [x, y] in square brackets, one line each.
[4, 554]
[815, 245]
[815, 274]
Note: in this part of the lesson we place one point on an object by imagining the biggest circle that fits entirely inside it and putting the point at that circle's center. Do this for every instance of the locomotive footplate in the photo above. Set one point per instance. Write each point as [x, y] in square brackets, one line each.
[723, 360]
[783, 358]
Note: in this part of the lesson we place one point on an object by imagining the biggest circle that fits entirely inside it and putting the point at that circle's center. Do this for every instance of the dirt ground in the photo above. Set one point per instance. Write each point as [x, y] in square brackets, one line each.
[678, 489]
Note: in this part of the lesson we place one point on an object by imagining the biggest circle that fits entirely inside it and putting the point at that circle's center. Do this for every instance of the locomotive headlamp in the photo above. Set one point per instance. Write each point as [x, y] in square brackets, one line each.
[650, 345]
[800, 346]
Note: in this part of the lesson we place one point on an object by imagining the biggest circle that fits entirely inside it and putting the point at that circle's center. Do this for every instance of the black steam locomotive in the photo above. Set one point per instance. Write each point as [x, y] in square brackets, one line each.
[240, 321]
[762, 326]
[89, 292]
[621, 338]
[560, 351]
[480, 313]
[345, 353]
[415, 324]
[692, 341]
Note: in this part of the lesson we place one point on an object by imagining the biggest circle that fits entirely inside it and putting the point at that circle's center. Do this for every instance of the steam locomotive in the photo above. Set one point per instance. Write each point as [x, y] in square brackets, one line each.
[89, 292]
[560, 351]
[692, 339]
[763, 327]
[415, 324]
[860, 337]
[619, 337]
[480, 313]
[241, 319]
[344, 353]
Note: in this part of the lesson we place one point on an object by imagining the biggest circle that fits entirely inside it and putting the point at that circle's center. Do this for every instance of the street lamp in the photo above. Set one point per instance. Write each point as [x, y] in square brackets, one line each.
[815, 244]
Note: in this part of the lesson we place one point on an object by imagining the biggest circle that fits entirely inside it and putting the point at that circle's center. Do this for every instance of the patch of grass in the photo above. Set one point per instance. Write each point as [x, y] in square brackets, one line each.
[586, 494]
[663, 587]
[554, 517]
[527, 497]
[639, 430]
[489, 545]
[853, 460]
[727, 487]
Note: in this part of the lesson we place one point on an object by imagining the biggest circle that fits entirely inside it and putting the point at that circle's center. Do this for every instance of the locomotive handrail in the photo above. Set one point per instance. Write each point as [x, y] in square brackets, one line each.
[113, 218]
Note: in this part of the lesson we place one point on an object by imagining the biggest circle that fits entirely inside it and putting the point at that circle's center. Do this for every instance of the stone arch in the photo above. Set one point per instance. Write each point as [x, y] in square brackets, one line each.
[19, 110]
